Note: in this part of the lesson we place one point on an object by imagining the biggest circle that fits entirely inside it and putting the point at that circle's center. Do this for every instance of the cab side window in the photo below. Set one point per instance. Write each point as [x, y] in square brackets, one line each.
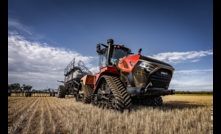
[103, 60]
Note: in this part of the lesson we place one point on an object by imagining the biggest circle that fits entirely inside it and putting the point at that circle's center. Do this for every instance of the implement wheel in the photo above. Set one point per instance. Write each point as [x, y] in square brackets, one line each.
[61, 91]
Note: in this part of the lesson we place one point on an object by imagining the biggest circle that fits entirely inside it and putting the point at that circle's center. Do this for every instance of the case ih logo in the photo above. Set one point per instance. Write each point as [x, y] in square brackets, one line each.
[163, 73]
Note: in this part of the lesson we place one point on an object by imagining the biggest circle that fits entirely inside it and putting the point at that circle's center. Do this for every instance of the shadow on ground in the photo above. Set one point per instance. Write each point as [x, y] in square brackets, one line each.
[170, 105]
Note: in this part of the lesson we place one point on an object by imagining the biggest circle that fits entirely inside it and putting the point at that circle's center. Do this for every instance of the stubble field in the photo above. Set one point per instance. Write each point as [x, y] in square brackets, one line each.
[45, 115]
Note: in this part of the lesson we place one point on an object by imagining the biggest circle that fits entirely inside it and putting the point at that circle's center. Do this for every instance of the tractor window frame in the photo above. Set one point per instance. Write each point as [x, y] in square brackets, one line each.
[103, 60]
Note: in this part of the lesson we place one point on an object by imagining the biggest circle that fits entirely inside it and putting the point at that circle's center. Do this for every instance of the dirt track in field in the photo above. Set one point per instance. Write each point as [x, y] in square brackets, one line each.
[179, 114]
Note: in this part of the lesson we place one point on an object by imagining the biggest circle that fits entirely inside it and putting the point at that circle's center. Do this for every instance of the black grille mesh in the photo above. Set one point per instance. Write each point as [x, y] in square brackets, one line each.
[161, 78]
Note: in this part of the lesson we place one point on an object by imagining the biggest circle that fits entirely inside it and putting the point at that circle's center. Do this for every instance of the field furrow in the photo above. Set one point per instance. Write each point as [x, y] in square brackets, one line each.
[17, 103]
[57, 119]
[51, 115]
[36, 121]
[28, 123]
[51, 121]
[45, 123]
[18, 120]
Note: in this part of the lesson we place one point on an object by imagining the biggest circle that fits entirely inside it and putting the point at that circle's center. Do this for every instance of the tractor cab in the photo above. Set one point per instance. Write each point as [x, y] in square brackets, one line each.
[111, 54]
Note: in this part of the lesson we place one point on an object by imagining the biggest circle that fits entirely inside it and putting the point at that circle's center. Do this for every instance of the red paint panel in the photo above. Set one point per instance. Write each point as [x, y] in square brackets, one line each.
[88, 79]
[128, 63]
[107, 69]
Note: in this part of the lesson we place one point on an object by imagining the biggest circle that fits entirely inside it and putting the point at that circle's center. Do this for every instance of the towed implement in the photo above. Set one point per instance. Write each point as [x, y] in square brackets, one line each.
[72, 77]
[124, 79]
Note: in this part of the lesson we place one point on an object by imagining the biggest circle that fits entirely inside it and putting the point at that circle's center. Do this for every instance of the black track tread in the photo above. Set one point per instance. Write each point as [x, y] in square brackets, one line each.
[116, 93]
[149, 101]
[61, 91]
[119, 91]
[88, 91]
[157, 101]
[123, 92]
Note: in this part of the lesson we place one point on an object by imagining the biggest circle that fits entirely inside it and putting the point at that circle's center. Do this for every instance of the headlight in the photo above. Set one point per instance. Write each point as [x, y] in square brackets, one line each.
[131, 63]
[147, 65]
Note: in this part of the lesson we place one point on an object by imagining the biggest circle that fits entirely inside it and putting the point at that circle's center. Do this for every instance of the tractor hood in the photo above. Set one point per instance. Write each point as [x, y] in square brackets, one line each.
[145, 58]
[128, 63]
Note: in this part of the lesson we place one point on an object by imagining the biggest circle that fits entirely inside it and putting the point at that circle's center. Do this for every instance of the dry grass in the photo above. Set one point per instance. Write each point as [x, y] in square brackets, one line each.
[179, 115]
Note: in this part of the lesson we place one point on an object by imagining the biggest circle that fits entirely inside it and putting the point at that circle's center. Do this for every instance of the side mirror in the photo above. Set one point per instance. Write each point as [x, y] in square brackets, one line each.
[98, 48]
[139, 51]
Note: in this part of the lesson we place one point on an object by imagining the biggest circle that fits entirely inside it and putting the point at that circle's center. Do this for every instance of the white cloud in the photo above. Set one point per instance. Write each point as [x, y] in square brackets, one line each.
[39, 64]
[195, 60]
[12, 23]
[192, 84]
[95, 69]
[192, 80]
[178, 57]
[192, 72]
[188, 79]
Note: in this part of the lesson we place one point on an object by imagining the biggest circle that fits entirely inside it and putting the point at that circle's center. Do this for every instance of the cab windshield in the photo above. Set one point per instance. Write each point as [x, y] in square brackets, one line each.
[117, 55]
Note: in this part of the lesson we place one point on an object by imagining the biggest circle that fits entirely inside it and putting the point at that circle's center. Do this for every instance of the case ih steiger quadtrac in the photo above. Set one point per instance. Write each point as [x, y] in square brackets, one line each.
[124, 79]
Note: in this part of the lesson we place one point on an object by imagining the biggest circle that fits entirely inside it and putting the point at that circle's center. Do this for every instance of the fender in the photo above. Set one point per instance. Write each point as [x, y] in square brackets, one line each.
[88, 80]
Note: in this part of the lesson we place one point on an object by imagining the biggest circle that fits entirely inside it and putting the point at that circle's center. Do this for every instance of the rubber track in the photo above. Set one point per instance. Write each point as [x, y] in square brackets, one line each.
[124, 94]
[119, 92]
[157, 101]
[117, 95]
[87, 94]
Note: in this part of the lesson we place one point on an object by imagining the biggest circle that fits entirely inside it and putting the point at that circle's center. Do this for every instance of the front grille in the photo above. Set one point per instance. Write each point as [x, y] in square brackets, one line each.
[161, 78]
[164, 73]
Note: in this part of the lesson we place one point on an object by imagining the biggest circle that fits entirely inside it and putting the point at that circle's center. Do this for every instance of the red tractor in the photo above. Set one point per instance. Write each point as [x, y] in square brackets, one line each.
[125, 79]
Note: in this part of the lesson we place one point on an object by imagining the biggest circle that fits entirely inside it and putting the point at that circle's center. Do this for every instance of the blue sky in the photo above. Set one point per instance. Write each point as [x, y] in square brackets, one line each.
[44, 36]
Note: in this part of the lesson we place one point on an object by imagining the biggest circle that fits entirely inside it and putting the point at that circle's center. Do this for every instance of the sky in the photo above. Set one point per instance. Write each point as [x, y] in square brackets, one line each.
[45, 35]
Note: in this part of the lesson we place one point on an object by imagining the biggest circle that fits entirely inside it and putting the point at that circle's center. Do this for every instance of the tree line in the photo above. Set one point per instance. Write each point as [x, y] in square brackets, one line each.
[194, 92]
[16, 87]
[26, 90]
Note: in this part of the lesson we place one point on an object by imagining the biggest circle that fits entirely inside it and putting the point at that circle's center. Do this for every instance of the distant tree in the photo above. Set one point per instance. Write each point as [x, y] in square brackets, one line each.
[16, 87]
[22, 87]
[27, 88]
